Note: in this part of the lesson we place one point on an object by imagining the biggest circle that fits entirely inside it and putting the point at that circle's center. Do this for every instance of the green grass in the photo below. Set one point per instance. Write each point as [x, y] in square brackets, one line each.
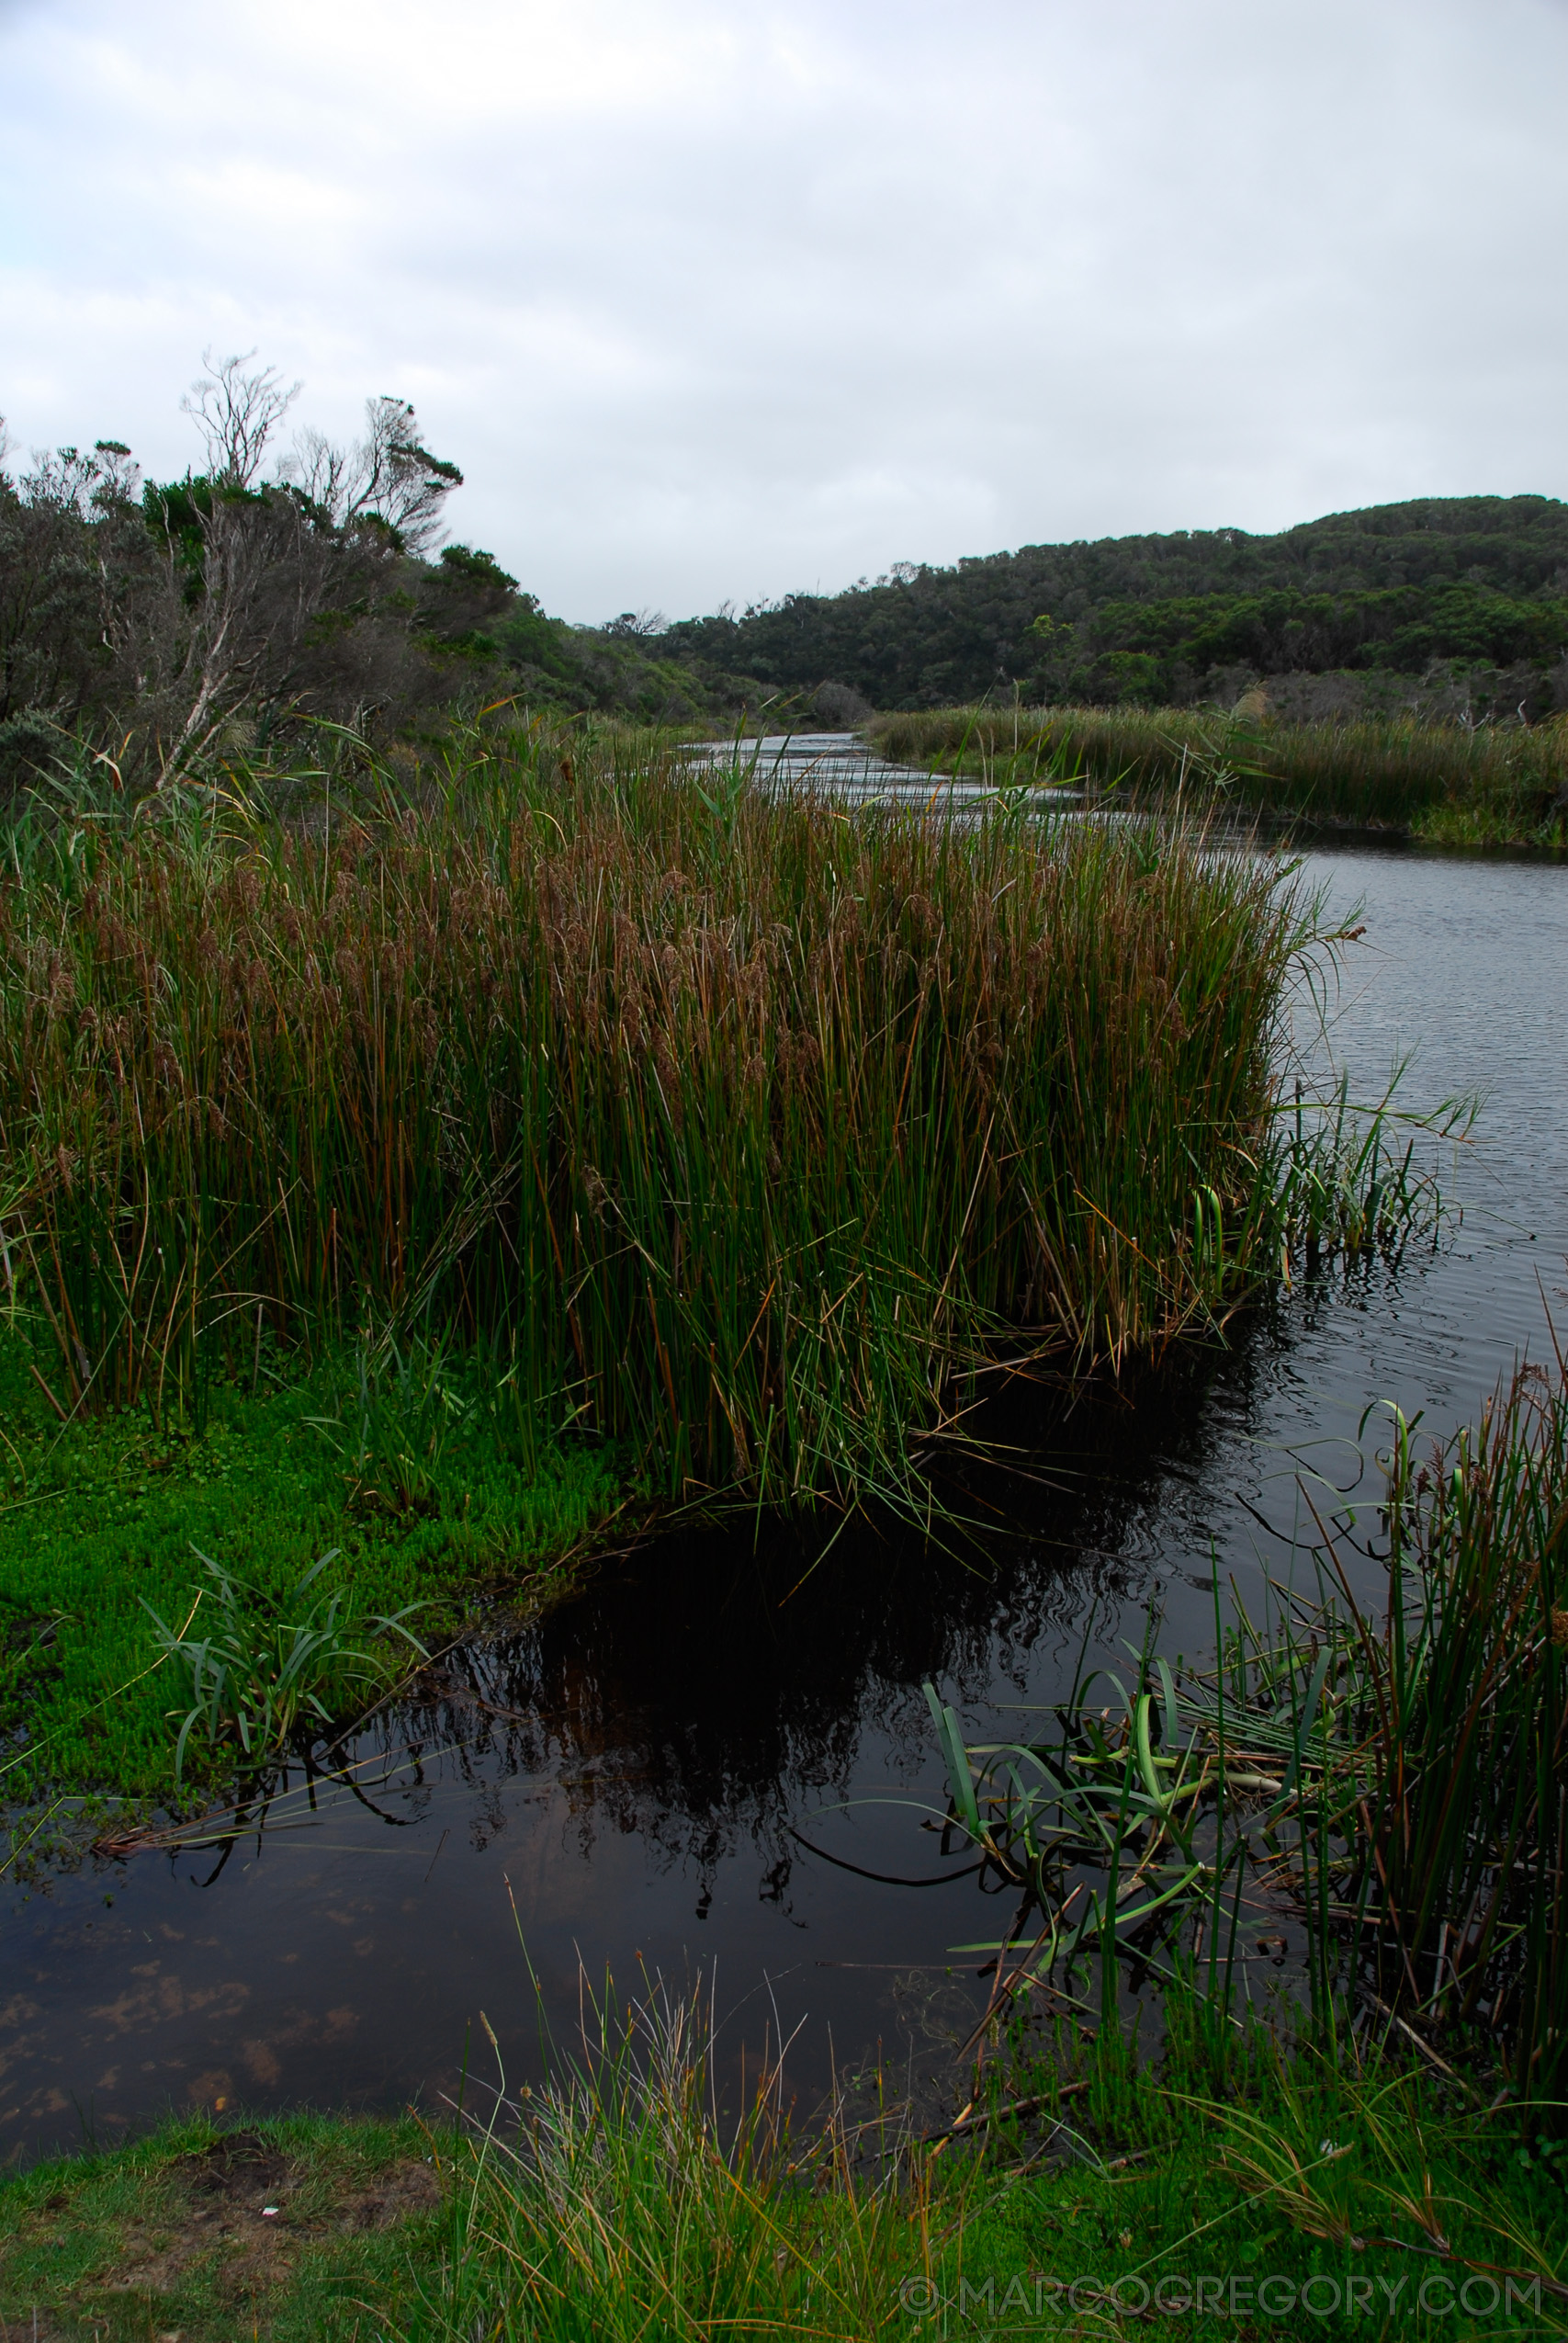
[108, 1514]
[1254, 2160]
[625, 2202]
[1497, 785]
[168, 2237]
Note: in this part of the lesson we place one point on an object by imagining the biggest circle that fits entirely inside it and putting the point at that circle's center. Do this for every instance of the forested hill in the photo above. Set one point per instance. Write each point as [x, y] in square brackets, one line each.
[1474, 584]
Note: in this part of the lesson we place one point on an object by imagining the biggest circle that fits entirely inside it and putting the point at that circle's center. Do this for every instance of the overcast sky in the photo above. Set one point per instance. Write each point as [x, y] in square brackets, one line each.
[715, 298]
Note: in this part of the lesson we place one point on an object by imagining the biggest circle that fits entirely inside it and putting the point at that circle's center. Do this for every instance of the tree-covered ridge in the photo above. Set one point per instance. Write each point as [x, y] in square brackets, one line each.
[160, 623]
[1480, 583]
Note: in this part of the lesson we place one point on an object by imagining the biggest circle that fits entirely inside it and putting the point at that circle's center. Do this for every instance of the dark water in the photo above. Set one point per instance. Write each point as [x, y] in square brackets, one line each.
[653, 1781]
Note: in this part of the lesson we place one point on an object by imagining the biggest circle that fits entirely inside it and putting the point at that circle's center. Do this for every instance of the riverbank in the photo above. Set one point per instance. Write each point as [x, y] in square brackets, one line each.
[415, 1480]
[1236, 2184]
[1443, 783]
[1248, 2139]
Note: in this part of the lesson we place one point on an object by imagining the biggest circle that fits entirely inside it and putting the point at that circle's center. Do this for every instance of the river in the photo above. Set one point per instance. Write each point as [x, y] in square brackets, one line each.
[665, 1779]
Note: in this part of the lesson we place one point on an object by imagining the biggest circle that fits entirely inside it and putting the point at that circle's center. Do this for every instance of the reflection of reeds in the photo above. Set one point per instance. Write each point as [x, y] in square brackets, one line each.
[1397, 1787]
[738, 1126]
[1463, 785]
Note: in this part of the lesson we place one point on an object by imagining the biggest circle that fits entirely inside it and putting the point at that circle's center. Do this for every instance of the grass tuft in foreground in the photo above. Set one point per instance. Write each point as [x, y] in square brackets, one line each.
[1232, 2179]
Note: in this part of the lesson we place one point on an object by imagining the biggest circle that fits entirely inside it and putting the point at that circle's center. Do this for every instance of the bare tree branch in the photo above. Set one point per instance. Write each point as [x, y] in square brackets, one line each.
[237, 414]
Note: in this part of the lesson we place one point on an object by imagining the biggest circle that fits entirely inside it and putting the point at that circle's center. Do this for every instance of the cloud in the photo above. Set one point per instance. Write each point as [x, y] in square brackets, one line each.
[718, 302]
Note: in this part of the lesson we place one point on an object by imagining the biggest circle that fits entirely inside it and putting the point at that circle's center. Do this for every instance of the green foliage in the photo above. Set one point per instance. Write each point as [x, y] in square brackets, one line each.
[107, 1513]
[1160, 652]
[1473, 580]
[269, 1664]
[392, 1432]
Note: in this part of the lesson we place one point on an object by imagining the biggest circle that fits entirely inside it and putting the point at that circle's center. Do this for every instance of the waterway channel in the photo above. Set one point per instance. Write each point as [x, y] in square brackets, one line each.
[667, 1778]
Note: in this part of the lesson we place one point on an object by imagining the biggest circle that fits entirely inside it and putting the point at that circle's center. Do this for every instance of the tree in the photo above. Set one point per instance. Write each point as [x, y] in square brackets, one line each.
[237, 414]
[250, 588]
[387, 477]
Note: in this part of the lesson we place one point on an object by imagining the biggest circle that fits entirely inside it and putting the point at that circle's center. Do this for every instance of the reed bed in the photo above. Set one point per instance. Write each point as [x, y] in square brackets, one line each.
[1393, 1787]
[741, 1130]
[1454, 784]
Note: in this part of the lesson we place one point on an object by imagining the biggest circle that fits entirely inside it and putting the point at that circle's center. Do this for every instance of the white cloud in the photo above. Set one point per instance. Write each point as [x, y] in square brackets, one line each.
[718, 301]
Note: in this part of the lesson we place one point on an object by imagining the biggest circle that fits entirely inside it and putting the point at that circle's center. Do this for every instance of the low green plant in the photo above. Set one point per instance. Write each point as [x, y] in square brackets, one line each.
[394, 1428]
[97, 1513]
[1392, 1786]
[272, 1665]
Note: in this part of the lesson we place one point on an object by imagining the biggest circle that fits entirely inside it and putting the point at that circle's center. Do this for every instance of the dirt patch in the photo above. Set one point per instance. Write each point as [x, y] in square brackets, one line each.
[246, 2210]
[41, 2323]
[407, 2188]
[240, 2169]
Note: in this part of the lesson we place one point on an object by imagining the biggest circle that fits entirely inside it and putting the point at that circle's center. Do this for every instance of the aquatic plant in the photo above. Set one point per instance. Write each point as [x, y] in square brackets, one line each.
[745, 1129]
[271, 1663]
[1489, 784]
[1395, 1786]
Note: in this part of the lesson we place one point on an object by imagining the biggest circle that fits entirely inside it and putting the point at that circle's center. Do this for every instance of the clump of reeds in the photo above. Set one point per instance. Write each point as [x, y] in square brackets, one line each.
[740, 1128]
[620, 2199]
[1463, 1696]
[1454, 783]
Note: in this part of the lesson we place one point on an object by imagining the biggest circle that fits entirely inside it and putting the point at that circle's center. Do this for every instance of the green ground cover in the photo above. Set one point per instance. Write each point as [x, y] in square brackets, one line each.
[108, 1514]
[1236, 2191]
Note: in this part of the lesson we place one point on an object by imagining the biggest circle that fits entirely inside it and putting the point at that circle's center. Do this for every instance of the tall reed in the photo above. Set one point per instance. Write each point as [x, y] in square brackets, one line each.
[741, 1126]
[1468, 785]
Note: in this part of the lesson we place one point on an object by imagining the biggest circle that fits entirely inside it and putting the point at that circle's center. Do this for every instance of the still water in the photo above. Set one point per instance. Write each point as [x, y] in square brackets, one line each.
[669, 1777]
